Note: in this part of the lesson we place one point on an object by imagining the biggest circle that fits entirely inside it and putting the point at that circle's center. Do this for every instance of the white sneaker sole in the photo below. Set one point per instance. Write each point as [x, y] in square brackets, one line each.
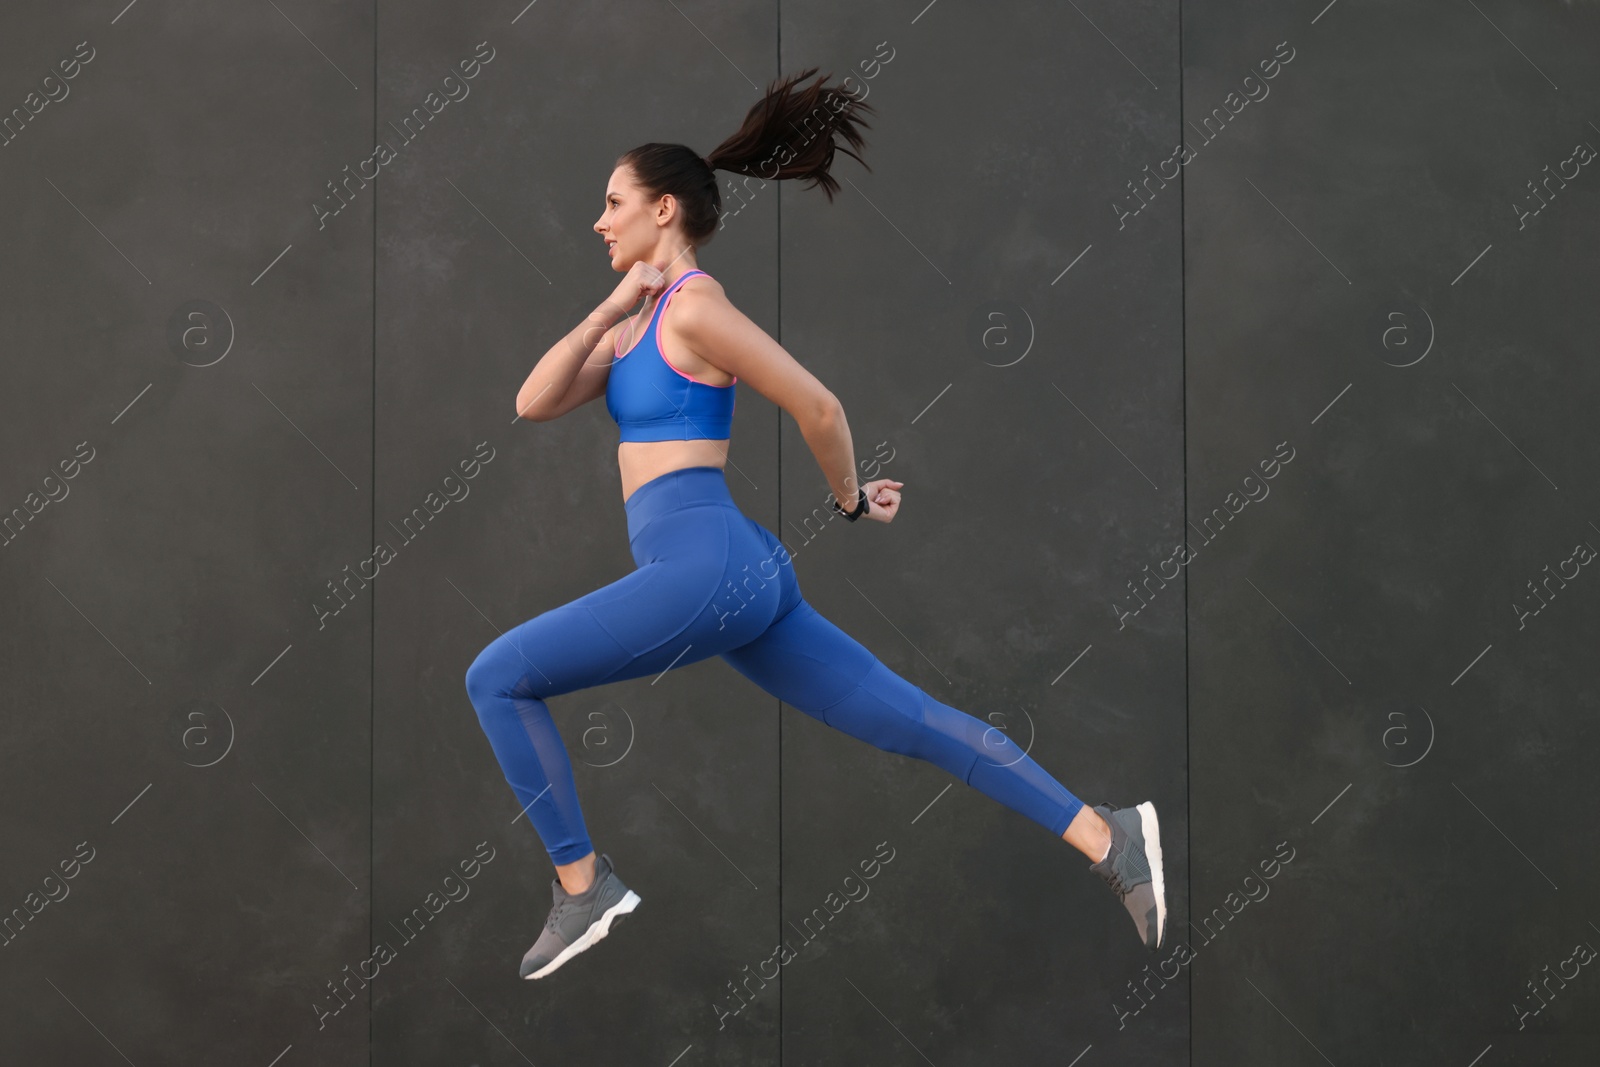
[596, 931]
[1152, 852]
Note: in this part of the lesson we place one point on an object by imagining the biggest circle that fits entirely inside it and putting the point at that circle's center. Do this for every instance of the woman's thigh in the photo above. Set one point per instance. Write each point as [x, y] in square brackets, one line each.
[811, 664]
[804, 660]
[695, 594]
[569, 647]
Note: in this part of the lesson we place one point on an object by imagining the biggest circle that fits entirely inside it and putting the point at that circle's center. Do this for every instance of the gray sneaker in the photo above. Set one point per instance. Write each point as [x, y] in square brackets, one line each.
[576, 922]
[1133, 867]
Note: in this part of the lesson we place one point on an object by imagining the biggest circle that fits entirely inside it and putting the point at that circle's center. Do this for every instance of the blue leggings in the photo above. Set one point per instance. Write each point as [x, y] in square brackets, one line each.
[713, 582]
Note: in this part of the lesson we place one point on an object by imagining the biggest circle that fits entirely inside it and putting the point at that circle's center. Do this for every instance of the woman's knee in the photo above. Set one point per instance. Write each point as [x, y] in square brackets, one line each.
[493, 675]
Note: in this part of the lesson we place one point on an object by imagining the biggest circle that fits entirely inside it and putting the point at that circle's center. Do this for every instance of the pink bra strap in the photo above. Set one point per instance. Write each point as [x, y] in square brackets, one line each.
[655, 315]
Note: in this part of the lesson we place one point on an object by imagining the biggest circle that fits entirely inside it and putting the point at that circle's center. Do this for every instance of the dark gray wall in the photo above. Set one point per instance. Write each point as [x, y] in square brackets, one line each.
[1362, 212]
[173, 705]
[1073, 379]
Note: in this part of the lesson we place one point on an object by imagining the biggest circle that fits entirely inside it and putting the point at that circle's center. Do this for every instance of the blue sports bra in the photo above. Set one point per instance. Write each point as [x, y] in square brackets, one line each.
[652, 400]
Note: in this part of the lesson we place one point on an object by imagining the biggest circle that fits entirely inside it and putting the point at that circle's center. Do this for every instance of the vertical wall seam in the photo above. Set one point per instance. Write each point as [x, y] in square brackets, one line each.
[372, 539]
[778, 186]
[1183, 389]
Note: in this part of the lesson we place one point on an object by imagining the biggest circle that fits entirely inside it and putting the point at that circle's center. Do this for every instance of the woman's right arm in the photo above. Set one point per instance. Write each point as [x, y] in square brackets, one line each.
[575, 369]
[566, 376]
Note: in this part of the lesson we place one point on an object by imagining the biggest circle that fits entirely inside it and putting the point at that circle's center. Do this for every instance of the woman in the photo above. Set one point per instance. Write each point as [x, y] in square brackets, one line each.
[669, 383]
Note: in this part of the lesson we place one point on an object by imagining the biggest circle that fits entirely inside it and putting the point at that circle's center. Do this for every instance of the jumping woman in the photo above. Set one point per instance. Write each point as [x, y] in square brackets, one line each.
[710, 581]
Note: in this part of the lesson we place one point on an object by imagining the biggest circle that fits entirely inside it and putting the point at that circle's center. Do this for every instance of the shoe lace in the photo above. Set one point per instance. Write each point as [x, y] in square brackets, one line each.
[557, 913]
[1114, 879]
[1115, 872]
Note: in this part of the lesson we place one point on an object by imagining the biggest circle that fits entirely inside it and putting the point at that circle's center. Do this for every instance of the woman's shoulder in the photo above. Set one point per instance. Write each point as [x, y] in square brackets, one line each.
[702, 283]
[697, 295]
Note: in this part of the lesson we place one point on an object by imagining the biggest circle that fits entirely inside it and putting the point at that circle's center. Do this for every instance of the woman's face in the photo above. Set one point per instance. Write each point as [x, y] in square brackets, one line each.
[628, 224]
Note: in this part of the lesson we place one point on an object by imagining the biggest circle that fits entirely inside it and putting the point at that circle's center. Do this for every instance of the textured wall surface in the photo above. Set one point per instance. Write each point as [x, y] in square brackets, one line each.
[1372, 285]
[1237, 361]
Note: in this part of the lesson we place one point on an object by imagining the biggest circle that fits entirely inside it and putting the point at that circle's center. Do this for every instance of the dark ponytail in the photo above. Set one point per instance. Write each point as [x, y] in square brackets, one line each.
[789, 133]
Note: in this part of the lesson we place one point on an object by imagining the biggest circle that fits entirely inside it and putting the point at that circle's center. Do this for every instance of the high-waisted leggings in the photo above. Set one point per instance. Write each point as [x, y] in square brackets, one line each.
[712, 582]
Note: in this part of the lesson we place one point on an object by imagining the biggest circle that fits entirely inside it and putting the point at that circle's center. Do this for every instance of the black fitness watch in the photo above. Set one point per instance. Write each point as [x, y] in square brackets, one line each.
[862, 507]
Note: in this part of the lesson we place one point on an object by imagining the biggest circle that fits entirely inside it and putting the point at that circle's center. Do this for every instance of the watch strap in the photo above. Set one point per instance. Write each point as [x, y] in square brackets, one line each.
[861, 508]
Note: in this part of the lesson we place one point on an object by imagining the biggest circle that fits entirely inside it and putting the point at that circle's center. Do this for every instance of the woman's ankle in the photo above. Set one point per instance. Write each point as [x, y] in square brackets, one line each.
[579, 873]
[1089, 834]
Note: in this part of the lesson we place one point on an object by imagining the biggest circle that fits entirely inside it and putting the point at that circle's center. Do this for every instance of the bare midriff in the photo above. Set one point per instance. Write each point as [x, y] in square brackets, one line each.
[640, 461]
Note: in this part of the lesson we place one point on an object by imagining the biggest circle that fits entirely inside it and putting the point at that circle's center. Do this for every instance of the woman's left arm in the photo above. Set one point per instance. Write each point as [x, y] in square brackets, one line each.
[724, 337]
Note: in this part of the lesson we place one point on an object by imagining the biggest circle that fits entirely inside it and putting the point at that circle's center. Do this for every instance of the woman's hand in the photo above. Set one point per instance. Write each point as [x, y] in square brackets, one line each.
[642, 279]
[883, 496]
